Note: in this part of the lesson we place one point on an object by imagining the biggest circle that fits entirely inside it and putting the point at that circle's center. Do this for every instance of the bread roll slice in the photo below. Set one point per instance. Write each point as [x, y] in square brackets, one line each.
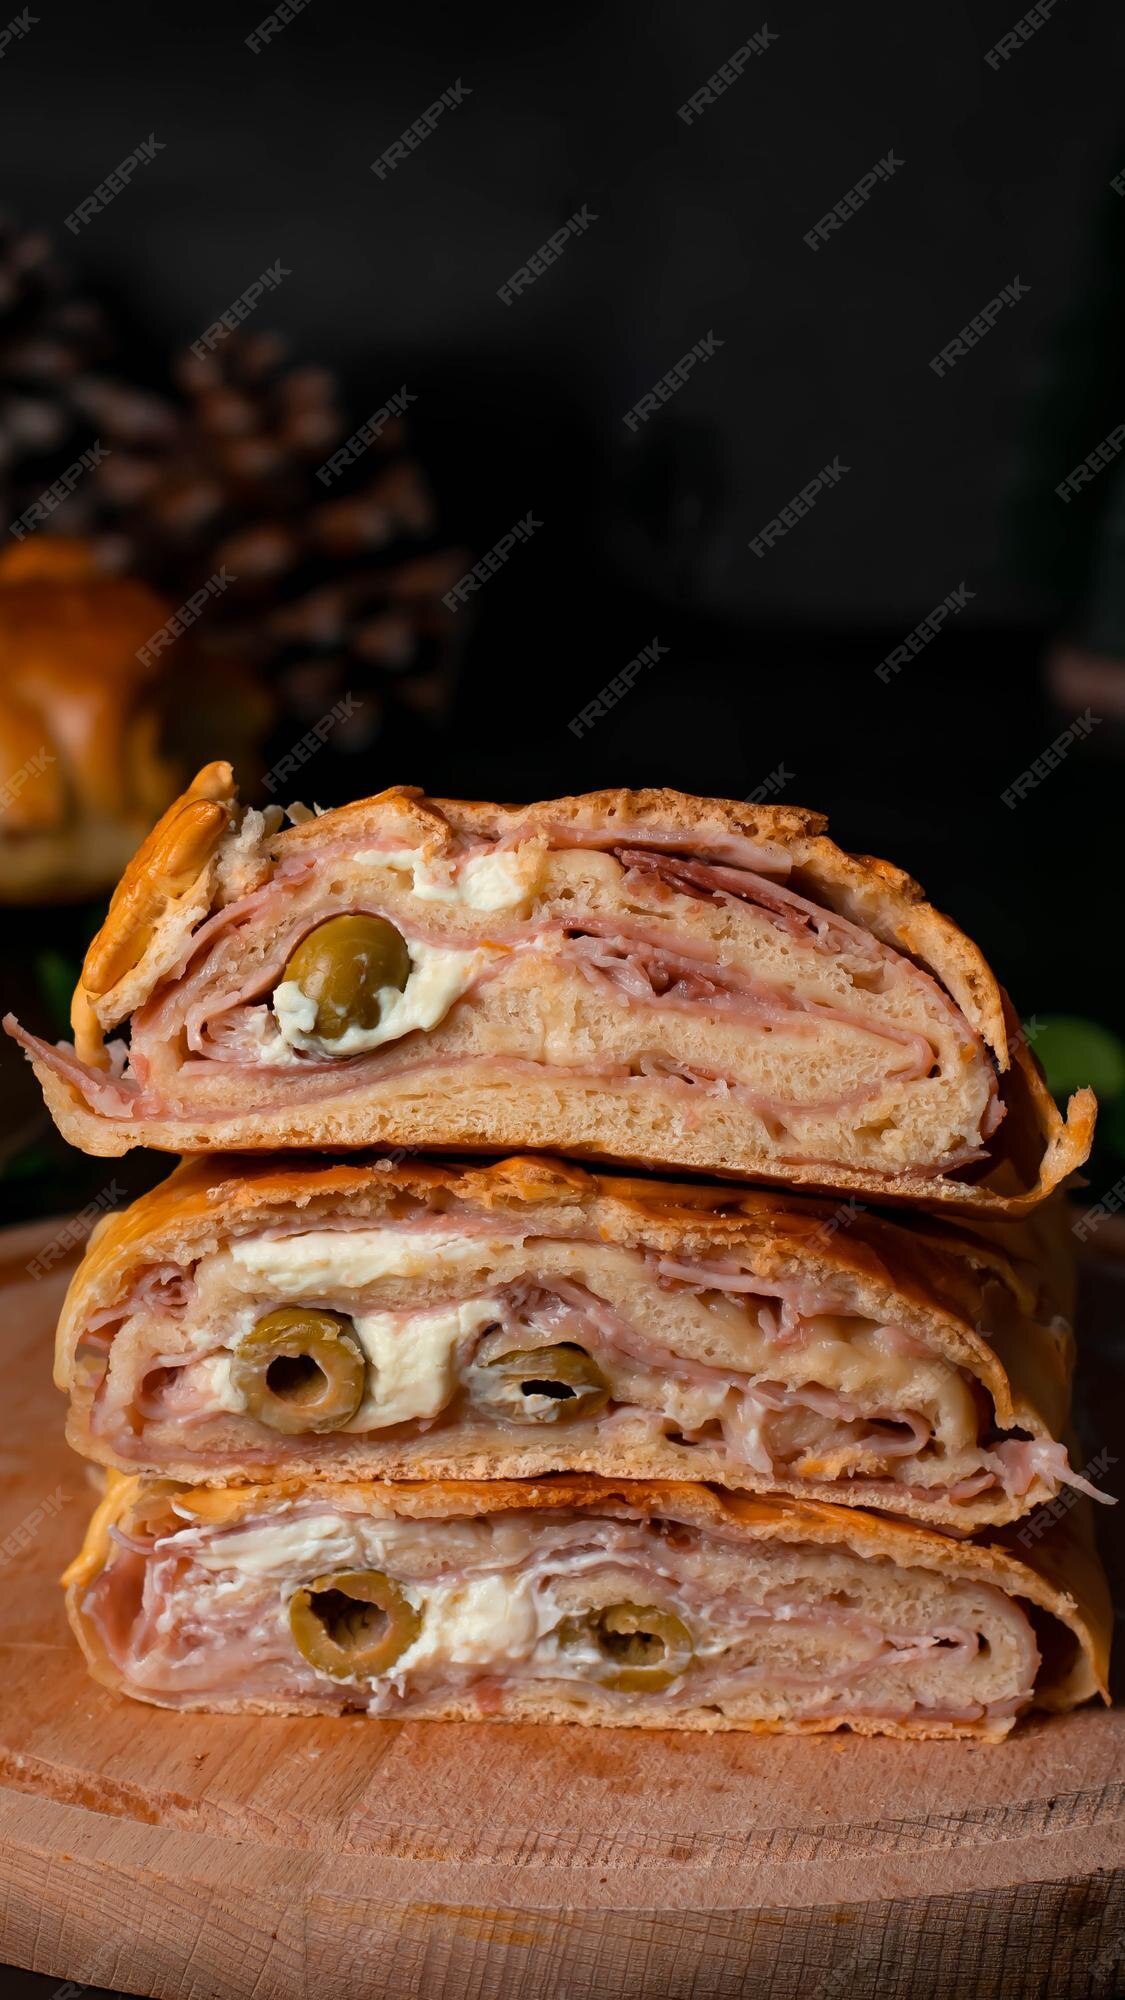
[576, 1600]
[367, 1320]
[636, 976]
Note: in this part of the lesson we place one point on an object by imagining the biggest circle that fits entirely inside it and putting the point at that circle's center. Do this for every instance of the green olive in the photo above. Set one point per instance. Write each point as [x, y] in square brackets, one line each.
[355, 1623]
[344, 965]
[544, 1385]
[300, 1369]
[643, 1647]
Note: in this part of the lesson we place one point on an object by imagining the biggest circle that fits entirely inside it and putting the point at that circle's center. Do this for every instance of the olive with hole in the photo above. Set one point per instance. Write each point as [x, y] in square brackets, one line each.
[543, 1385]
[642, 1647]
[300, 1369]
[345, 965]
[356, 1623]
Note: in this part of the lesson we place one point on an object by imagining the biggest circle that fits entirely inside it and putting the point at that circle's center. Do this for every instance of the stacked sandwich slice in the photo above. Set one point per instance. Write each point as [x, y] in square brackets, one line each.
[514, 1437]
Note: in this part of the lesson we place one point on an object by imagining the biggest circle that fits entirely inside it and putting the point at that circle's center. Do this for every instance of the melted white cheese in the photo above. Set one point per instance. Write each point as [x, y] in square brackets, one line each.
[323, 1260]
[213, 1374]
[309, 1546]
[437, 978]
[490, 881]
[413, 1360]
[486, 1620]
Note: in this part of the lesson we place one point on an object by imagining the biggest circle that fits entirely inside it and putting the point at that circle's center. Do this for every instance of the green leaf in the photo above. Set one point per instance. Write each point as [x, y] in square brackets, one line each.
[28, 1165]
[1074, 1052]
[58, 976]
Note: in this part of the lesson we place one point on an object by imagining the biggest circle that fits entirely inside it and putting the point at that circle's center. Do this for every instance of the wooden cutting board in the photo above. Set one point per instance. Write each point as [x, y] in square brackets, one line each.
[214, 1857]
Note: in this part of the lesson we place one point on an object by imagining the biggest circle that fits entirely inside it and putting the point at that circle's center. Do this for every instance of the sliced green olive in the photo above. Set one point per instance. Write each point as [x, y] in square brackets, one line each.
[344, 965]
[545, 1385]
[643, 1648]
[355, 1623]
[300, 1369]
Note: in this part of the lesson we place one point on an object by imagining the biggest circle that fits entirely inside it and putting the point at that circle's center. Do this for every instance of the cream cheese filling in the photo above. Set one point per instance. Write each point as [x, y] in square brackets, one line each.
[496, 880]
[484, 1621]
[321, 1260]
[412, 1361]
[437, 979]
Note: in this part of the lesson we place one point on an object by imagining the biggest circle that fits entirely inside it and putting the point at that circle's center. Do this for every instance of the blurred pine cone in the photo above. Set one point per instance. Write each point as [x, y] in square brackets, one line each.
[336, 589]
[51, 343]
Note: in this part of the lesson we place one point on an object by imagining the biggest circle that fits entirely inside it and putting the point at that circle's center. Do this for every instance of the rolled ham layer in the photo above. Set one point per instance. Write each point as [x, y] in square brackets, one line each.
[580, 1600]
[530, 1318]
[643, 982]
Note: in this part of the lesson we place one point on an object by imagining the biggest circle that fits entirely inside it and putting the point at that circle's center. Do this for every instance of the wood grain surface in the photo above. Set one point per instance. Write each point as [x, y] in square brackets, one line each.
[218, 1857]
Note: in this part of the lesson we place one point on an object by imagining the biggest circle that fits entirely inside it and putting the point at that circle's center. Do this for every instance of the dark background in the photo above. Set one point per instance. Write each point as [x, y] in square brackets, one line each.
[700, 228]
[268, 156]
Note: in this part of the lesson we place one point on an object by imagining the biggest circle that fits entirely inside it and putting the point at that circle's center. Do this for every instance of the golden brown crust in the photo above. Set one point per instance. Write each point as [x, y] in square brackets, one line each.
[1081, 1604]
[175, 852]
[164, 869]
[616, 810]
